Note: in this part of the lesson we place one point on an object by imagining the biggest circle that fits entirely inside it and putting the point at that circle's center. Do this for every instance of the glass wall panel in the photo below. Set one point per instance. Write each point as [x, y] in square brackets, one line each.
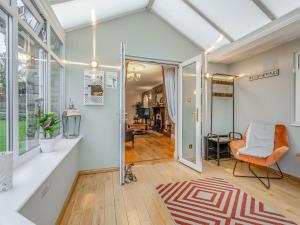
[56, 44]
[56, 87]
[31, 73]
[3, 80]
[189, 108]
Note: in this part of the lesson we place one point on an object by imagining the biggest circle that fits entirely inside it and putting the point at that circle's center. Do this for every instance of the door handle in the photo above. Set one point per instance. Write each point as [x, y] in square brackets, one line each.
[196, 115]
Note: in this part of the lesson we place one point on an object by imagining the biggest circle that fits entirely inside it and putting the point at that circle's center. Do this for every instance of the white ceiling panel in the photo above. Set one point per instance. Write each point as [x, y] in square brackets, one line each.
[281, 7]
[78, 12]
[187, 21]
[236, 17]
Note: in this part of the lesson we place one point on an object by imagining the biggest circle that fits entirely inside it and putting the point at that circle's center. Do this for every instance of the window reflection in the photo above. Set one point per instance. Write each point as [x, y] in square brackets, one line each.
[31, 72]
[3, 80]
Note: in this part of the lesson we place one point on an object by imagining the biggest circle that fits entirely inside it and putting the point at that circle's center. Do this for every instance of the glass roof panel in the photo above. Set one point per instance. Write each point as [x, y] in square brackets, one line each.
[235, 17]
[102, 9]
[187, 21]
[281, 7]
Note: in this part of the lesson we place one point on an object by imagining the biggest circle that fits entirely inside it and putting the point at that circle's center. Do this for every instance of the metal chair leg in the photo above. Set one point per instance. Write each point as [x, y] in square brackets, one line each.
[267, 185]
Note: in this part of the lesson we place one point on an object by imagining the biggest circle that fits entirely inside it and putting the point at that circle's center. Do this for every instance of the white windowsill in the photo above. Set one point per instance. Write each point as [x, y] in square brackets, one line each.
[28, 177]
[295, 124]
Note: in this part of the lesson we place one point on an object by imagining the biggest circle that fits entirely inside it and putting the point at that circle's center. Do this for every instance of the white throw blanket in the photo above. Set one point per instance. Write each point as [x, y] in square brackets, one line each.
[260, 141]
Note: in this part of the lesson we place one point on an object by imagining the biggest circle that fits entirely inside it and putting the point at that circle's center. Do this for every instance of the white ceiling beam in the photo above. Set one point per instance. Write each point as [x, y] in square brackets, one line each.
[221, 31]
[150, 4]
[178, 31]
[264, 9]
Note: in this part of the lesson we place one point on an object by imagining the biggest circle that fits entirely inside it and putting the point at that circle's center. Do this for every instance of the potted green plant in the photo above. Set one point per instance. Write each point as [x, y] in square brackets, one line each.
[49, 124]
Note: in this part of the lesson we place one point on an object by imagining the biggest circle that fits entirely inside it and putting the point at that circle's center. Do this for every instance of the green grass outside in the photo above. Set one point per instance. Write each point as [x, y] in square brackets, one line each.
[22, 135]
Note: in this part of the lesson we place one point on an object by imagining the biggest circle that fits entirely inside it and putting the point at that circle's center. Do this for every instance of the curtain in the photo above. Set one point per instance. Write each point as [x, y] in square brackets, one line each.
[169, 83]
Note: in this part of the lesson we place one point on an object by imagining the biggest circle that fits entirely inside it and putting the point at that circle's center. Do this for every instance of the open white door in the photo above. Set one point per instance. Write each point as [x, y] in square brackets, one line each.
[122, 114]
[189, 113]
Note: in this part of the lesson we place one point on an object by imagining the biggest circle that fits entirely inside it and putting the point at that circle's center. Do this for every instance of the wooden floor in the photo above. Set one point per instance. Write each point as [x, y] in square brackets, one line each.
[148, 148]
[99, 199]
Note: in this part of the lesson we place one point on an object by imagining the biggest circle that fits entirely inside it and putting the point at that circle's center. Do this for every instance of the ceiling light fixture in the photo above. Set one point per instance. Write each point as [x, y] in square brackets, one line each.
[94, 64]
[134, 71]
[134, 76]
[207, 75]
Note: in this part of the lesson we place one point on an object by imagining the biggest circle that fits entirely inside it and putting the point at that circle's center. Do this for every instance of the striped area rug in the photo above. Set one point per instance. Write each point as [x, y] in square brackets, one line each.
[215, 201]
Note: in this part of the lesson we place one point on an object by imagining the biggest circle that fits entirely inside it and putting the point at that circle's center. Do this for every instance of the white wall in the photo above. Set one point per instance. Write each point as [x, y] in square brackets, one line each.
[44, 207]
[270, 100]
[144, 35]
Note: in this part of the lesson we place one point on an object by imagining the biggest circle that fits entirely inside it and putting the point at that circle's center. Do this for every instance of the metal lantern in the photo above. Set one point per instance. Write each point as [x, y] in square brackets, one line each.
[71, 122]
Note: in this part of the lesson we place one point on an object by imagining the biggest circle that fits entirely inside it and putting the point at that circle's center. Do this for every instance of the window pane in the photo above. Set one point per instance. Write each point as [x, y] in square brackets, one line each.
[56, 88]
[3, 79]
[56, 44]
[33, 19]
[31, 72]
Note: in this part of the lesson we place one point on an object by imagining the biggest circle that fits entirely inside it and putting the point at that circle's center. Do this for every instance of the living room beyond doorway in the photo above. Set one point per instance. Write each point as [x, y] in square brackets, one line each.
[150, 125]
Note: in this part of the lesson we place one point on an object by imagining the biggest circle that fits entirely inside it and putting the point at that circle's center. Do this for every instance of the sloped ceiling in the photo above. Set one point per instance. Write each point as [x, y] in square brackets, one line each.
[210, 24]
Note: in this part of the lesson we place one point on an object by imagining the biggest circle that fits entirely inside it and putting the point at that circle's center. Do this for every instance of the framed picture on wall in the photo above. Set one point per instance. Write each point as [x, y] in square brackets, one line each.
[93, 87]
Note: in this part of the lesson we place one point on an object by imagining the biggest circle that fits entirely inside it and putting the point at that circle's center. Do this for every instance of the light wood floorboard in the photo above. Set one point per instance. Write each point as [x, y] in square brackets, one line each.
[148, 148]
[98, 199]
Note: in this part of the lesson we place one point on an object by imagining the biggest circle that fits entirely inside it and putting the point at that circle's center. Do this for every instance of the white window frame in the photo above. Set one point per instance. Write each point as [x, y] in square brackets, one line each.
[297, 90]
[8, 82]
[11, 8]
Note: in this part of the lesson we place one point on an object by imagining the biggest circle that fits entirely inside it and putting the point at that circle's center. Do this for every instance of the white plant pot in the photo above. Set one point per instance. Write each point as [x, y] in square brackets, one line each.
[6, 171]
[47, 145]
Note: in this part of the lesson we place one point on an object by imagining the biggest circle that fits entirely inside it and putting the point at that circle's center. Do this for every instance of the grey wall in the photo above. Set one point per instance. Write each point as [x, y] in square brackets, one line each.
[43, 208]
[144, 35]
[270, 100]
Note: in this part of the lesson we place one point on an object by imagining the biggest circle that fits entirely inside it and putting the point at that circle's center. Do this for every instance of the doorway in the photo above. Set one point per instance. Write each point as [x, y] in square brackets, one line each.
[149, 127]
[187, 109]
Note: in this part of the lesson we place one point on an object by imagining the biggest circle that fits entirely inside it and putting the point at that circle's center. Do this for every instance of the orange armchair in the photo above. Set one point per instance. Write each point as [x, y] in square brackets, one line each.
[281, 147]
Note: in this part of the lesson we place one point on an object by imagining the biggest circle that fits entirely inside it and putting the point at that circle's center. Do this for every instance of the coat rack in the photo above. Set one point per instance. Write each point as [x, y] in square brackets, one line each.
[217, 144]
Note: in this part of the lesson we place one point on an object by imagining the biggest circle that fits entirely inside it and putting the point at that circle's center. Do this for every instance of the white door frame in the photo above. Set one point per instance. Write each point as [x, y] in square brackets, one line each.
[164, 63]
[122, 101]
[198, 165]
[122, 114]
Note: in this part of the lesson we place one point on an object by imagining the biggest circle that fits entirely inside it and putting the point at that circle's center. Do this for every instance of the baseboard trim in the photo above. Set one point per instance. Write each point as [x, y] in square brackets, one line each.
[286, 175]
[95, 171]
[81, 173]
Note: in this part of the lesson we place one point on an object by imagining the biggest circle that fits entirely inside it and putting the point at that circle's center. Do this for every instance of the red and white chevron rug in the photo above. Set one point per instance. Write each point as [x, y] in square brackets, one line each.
[215, 201]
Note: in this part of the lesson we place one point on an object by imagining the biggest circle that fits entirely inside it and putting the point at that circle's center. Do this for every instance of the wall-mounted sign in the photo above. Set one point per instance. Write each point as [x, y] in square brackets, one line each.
[93, 87]
[268, 74]
[111, 79]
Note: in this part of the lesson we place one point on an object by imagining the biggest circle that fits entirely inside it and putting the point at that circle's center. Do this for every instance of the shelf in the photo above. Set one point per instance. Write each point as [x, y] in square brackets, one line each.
[222, 82]
[218, 94]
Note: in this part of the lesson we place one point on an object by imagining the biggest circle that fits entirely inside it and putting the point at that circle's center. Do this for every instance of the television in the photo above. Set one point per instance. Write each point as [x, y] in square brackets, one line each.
[143, 113]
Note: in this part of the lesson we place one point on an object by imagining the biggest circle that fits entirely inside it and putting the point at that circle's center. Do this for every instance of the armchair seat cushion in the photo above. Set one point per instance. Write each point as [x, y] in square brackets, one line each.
[281, 148]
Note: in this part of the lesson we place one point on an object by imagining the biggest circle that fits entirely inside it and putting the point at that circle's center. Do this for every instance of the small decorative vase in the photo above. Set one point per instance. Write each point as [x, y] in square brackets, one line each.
[6, 171]
[47, 145]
